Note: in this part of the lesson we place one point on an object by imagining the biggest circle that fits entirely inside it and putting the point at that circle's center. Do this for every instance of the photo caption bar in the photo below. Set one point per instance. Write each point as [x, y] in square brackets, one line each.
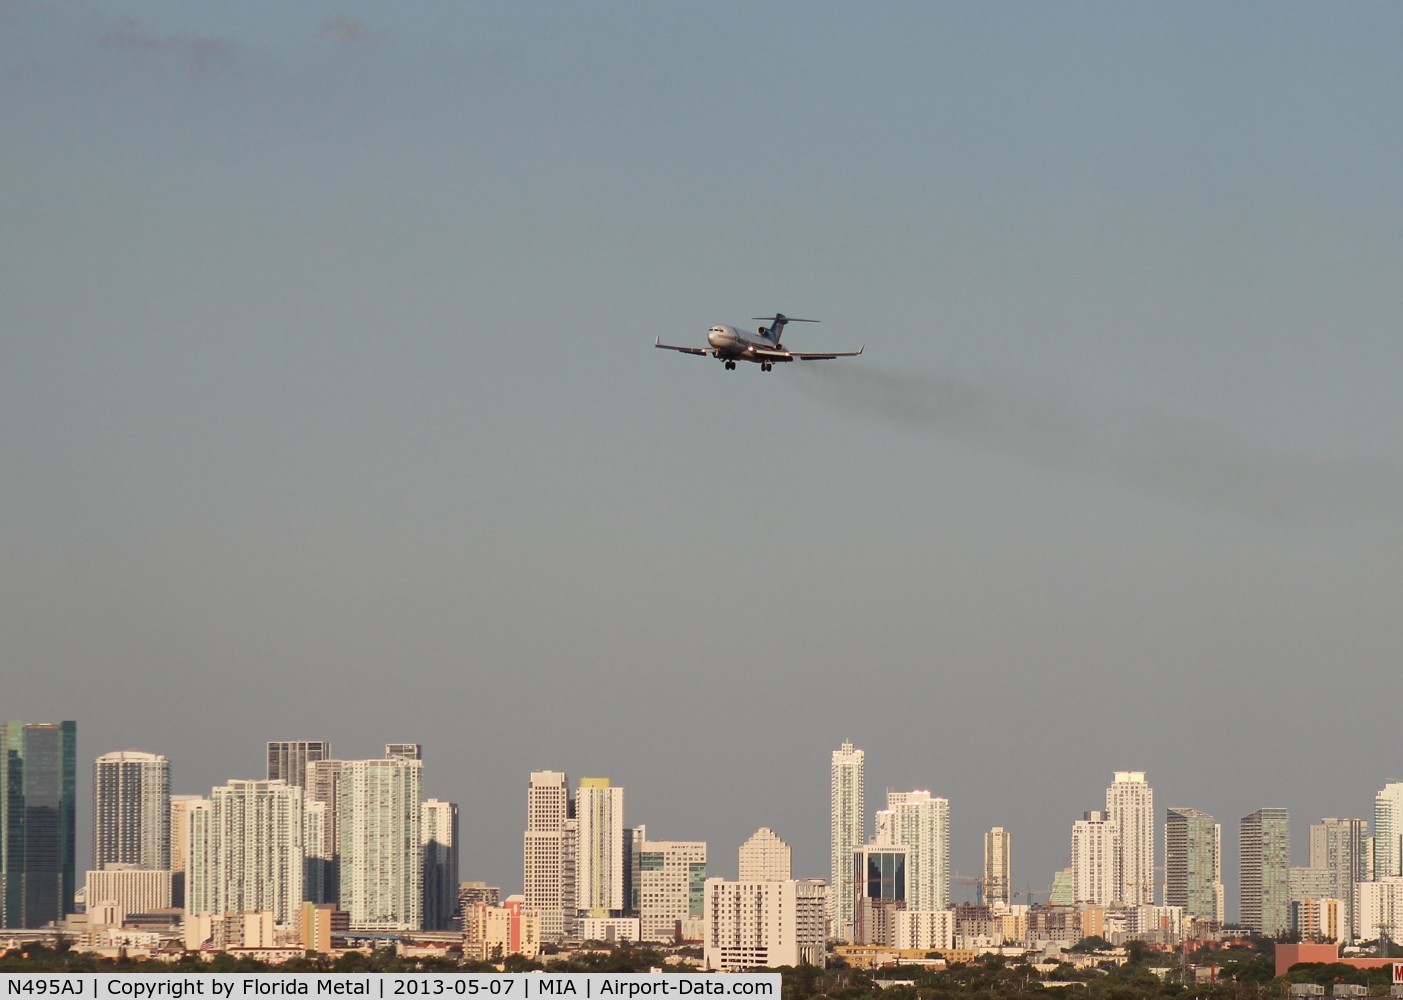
[158, 985]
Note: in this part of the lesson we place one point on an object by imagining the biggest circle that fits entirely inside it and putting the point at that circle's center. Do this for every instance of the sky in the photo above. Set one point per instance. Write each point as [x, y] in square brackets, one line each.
[331, 409]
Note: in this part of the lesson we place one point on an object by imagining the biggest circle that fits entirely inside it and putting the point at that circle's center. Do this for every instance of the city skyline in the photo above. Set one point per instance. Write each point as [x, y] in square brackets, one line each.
[333, 413]
[1323, 847]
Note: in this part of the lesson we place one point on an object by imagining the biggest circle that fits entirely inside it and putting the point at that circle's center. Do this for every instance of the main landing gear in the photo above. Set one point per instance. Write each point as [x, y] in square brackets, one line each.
[766, 366]
[730, 366]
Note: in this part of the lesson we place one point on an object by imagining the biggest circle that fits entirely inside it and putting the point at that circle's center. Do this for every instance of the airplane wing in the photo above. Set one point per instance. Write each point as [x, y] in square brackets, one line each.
[703, 352]
[829, 356]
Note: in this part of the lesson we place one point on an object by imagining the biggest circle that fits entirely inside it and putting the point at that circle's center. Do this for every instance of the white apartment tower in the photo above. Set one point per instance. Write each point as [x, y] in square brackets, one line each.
[131, 810]
[179, 829]
[438, 832]
[381, 850]
[1094, 852]
[763, 925]
[1130, 805]
[244, 850]
[1388, 831]
[921, 824]
[998, 867]
[847, 832]
[1379, 910]
[765, 858]
[599, 858]
[547, 809]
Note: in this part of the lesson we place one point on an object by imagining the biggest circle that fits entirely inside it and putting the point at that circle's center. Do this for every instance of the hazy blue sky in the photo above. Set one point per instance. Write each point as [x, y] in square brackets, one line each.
[331, 409]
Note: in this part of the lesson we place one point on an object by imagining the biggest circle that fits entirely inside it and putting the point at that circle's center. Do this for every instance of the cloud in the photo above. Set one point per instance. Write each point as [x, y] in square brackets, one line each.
[339, 29]
[1188, 461]
[129, 35]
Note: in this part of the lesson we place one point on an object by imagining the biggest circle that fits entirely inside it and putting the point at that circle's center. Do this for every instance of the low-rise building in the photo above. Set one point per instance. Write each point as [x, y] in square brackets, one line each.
[760, 925]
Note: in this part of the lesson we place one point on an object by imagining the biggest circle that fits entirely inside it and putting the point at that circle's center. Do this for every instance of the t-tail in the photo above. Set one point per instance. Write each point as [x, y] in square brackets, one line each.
[775, 330]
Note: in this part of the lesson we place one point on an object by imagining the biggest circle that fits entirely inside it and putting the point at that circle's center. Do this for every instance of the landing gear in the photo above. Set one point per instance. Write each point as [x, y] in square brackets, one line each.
[730, 366]
[766, 366]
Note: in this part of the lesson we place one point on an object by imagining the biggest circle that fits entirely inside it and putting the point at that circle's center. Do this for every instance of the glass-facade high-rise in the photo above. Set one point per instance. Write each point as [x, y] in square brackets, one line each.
[1192, 865]
[879, 872]
[37, 795]
[1265, 856]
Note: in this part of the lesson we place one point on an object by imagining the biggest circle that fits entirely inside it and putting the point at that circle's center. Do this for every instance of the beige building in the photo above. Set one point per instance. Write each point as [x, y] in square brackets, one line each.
[760, 925]
[926, 930]
[765, 858]
[134, 890]
[315, 924]
[668, 883]
[998, 867]
[491, 933]
[543, 854]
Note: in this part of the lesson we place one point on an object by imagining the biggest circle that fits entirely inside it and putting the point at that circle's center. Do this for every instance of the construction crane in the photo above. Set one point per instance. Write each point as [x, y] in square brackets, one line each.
[984, 884]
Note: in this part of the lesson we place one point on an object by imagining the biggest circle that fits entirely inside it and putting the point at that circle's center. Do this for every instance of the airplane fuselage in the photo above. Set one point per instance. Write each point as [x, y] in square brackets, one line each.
[731, 344]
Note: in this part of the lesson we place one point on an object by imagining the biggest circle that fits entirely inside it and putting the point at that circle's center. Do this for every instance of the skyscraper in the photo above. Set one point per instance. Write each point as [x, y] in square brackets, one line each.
[1388, 831]
[1338, 846]
[921, 824]
[323, 834]
[1193, 863]
[37, 796]
[1094, 854]
[1265, 849]
[131, 810]
[318, 852]
[1130, 805]
[548, 806]
[382, 854]
[765, 858]
[439, 832]
[881, 888]
[847, 832]
[998, 866]
[599, 860]
[245, 850]
[670, 886]
[288, 759]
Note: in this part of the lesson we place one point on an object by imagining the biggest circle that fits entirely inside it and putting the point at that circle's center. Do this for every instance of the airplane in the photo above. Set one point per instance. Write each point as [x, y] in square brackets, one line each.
[730, 345]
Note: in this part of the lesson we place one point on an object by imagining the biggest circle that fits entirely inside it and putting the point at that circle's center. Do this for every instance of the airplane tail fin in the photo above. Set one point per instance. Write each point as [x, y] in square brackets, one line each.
[777, 321]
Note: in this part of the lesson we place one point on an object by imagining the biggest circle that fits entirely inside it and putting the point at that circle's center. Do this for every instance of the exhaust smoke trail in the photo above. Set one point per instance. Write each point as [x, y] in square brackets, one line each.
[1178, 458]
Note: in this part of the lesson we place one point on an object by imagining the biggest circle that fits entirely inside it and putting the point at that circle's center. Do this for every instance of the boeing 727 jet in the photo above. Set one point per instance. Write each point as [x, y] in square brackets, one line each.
[729, 345]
